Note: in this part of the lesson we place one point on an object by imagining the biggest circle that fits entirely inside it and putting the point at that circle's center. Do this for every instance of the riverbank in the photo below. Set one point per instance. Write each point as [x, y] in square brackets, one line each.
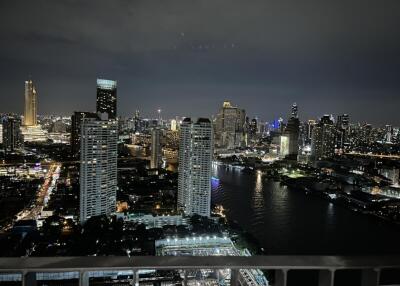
[279, 218]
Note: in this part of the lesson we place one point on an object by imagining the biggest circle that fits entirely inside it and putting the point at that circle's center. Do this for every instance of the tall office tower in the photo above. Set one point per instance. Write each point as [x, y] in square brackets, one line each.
[294, 110]
[136, 122]
[342, 128]
[107, 97]
[156, 155]
[229, 127]
[302, 135]
[11, 133]
[290, 136]
[195, 159]
[159, 119]
[309, 126]
[343, 121]
[30, 130]
[76, 122]
[253, 127]
[98, 171]
[293, 131]
[323, 139]
[388, 133]
[30, 114]
[173, 125]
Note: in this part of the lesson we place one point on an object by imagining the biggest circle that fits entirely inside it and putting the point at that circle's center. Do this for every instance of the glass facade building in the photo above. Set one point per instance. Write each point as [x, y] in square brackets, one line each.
[107, 97]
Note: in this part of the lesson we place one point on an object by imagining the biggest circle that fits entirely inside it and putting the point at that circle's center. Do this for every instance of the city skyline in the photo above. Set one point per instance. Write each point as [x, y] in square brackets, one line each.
[325, 57]
[207, 143]
[158, 114]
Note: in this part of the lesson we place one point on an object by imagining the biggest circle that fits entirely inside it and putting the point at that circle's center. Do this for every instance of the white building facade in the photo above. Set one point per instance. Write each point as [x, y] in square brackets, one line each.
[195, 161]
[98, 171]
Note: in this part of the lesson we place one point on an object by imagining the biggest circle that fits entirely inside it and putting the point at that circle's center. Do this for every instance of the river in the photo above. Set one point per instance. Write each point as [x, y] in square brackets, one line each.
[287, 221]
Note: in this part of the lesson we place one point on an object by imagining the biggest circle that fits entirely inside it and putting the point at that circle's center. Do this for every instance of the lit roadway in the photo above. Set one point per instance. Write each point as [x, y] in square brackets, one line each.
[374, 155]
[34, 212]
[44, 163]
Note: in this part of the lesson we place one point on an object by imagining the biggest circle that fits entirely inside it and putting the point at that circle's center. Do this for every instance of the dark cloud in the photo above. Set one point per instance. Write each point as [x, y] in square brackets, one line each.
[187, 56]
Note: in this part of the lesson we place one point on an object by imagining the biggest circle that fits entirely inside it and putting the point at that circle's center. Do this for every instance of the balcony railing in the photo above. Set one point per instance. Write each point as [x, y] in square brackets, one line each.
[369, 266]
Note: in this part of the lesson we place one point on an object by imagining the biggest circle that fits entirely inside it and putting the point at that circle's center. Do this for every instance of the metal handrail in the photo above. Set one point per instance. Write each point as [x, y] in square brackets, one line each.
[370, 266]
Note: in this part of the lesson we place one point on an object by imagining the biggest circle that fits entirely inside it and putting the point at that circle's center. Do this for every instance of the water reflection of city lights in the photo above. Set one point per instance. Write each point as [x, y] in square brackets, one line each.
[330, 212]
[258, 197]
[214, 183]
[258, 187]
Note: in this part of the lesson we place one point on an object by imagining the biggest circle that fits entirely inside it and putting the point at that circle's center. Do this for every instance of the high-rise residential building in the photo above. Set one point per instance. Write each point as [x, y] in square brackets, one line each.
[294, 110]
[30, 112]
[76, 123]
[284, 146]
[172, 139]
[290, 135]
[229, 127]
[388, 133]
[156, 154]
[11, 133]
[195, 160]
[323, 139]
[137, 122]
[107, 97]
[342, 131]
[253, 127]
[252, 132]
[98, 171]
[343, 121]
[310, 126]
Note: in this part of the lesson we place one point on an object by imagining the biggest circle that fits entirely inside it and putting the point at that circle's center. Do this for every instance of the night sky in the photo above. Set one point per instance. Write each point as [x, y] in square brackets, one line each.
[187, 56]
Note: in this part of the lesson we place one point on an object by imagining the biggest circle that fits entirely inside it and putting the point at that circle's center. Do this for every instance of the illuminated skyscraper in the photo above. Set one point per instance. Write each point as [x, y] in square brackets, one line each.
[137, 122]
[229, 129]
[342, 134]
[290, 136]
[76, 122]
[174, 125]
[98, 171]
[291, 133]
[388, 133]
[107, 97]
[11, 133]
[30, 113]
[323, 139]
[309, 129]
[294, 110]
[156, 155]
[253, 127]
[195, 159]
[30, 130]
[284, 146]
[343, 121]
